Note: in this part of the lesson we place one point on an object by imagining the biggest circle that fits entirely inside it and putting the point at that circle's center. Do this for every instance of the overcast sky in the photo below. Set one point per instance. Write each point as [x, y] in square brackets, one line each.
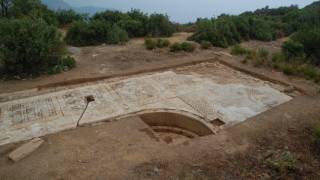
[188, 10]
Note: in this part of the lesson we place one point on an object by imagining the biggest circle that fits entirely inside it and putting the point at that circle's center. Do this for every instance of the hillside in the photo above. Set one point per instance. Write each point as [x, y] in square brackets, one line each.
[56, 4]
[60, 4]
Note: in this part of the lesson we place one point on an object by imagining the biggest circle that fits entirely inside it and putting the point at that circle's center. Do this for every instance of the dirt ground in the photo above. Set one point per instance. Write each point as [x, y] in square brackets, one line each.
[276, 144]
[124, 150]
[104, 61]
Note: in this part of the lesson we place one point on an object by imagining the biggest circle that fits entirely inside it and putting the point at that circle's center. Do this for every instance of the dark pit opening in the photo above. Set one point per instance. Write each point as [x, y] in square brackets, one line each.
[174, 128]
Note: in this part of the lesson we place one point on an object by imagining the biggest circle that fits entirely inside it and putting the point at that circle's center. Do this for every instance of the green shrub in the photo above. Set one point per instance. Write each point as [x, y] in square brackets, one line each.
[159, 25]
[187, 47]
[117, 35]
[238, 50]
[309, 71]
[251, 55]
[298, 67]
[176, 47]
[29, 47]
[33, 9]
[228, 30]
[66, 17]
[150, 43]
[283, 163]
[310, 41]
[68, 62]
[161, 43]
[277, 59]
[205, 45]
[83, 34]
[289, 69]
[263, 53]
[153, 43]
[94, 33]
[292, 49]
[56, 69]
[138, 24]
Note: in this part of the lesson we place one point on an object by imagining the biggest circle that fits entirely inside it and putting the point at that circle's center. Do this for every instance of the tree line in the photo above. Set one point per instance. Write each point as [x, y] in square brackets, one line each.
[266, 24]
[31, 43]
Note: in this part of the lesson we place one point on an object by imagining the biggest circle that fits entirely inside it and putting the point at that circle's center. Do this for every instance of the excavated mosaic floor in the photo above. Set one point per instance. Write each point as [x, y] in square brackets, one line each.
[229, 96]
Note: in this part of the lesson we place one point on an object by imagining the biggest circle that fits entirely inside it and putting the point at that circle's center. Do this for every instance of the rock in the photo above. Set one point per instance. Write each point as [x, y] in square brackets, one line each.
[265, 176]
[74, 50]
[25, 150]
[289, 89]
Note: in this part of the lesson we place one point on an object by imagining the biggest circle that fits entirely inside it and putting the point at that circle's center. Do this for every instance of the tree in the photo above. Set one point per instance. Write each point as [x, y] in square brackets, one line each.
[310, 39]
[159, 26]
[29, 47]
[4, 7]
[66, 17]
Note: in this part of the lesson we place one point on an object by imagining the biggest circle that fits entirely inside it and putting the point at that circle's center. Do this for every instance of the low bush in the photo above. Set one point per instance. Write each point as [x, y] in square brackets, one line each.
[176, 47]
[297, 67]
[161, 43]
[251, 55]
[187, 47]
[29, 47]
[277, 59]
[238, 50]
[117, 35]
[292, 49]
[283, 162]
[68, 62]
[205, 45]
[263, 53]
[150, 43]
[65, 64]
[289, 69]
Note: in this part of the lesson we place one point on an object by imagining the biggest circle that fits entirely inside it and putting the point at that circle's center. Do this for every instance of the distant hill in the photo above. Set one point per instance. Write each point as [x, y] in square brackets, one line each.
[56, 4]
[91, 10]
[61, 5]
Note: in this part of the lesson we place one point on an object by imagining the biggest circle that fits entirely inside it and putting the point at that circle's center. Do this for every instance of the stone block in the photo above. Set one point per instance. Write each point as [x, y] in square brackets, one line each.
[25, 150]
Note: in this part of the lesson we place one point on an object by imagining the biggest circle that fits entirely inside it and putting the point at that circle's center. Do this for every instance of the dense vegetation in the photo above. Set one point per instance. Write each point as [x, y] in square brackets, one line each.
[264, 24]
[113, 27]
[66, 17]
[30, 43]
[300, 54]
[30, 48]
